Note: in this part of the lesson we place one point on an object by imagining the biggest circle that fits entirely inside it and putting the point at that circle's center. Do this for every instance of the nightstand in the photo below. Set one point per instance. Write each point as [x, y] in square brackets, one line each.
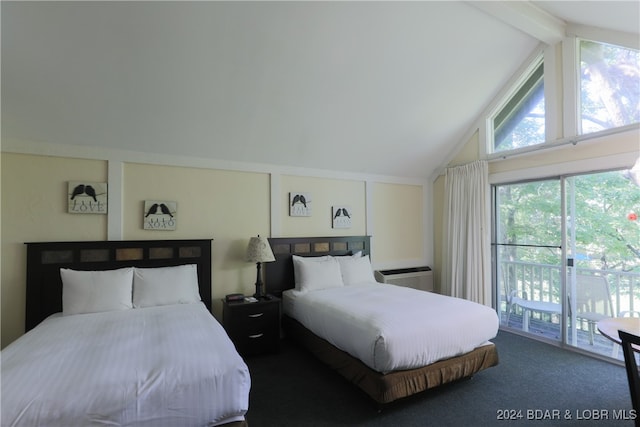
[254, 327]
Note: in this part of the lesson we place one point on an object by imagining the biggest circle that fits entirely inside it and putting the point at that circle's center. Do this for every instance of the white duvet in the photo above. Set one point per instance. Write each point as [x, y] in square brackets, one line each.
[390, 327]
[158, 366]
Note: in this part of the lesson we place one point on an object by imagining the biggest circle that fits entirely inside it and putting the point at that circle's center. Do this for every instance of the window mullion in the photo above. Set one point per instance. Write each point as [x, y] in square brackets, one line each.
[553, 92]
[570, 91]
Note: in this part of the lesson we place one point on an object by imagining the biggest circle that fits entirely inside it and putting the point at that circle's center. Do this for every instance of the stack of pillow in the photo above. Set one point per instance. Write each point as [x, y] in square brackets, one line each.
[126, 288]
[315, 273]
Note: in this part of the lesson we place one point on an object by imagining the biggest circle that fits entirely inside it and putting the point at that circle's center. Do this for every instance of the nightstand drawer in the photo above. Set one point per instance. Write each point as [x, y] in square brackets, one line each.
[257, 343]
[253, 327]
[249, 316]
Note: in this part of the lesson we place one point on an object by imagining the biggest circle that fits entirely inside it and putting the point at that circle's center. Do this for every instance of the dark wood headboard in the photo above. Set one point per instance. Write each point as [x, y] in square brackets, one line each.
[279, 274]
[45, 259]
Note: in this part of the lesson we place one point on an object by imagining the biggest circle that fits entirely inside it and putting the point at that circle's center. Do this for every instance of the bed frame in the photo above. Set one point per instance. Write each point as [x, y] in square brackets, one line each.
[382, 388]
[44, 260]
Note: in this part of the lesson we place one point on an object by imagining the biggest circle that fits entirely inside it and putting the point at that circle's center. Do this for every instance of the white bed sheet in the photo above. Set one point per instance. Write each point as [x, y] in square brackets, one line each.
[391, 327]
[158, 366]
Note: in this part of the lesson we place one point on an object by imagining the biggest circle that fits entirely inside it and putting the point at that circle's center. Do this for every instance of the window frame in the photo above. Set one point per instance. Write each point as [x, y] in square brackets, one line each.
[545, 55]
[577, 84]
[562, 89]
[518, 96]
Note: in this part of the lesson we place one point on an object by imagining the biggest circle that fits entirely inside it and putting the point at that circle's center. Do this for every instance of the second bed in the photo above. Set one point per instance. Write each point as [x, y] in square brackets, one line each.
[390, 341]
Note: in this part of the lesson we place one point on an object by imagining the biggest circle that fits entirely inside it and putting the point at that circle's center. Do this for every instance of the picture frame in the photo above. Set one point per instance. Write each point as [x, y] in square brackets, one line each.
[87, 197]
[299, 204]
[160, 215]
[341, 216]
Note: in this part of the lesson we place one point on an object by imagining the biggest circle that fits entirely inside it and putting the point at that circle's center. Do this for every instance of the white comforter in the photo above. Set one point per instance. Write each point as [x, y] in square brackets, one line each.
[159, 366]
[390, 327]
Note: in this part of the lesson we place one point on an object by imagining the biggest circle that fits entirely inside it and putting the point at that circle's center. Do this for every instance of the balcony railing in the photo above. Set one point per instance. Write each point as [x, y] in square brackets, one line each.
[541, 282]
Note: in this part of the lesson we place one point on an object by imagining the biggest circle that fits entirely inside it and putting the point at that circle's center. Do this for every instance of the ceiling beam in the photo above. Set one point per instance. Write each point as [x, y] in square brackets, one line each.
[526, 17]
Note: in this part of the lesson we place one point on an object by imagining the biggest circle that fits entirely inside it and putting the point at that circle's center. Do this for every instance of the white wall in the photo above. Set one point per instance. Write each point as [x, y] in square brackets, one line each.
[225, 201]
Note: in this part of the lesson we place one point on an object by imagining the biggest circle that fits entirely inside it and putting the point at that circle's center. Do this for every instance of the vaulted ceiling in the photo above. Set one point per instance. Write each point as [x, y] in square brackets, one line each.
[386, 88]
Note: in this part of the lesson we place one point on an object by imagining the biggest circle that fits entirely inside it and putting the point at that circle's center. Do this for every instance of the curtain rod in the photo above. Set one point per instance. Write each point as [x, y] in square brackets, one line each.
[574, 140]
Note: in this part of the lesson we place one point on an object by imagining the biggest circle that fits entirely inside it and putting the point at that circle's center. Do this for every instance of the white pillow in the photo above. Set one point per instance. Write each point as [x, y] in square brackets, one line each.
[165, 286]
[347, 258]
[356, 255]
[356, 270]
[96, 291]
[315, 273]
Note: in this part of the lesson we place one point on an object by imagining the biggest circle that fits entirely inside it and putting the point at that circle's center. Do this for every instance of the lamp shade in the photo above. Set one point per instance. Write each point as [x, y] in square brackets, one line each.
[259, 250]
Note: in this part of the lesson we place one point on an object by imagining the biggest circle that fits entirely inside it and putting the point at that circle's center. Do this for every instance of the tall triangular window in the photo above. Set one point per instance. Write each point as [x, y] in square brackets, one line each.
[520, 120]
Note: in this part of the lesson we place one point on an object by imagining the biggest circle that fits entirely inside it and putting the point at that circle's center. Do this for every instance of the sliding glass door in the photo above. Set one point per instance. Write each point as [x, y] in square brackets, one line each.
[527, 256]
[566, 253]
[603, 255]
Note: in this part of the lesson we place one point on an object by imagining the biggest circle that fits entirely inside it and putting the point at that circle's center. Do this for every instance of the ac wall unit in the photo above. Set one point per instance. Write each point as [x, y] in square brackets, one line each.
[416, 277]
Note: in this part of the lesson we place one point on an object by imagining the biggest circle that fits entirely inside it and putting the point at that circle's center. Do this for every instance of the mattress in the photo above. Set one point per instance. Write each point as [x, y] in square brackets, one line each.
[390, 327]
[158, 366]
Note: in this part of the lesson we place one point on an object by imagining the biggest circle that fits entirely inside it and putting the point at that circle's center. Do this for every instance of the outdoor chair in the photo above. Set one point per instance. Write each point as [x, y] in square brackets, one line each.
[628, 341]
[593, 301]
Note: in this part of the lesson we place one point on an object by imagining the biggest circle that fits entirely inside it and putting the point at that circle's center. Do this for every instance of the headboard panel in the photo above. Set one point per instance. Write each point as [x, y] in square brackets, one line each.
[44, 260]
[279, 274]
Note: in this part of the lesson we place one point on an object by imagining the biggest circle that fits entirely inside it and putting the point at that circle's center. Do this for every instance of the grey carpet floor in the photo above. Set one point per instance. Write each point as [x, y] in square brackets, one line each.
[535, 384]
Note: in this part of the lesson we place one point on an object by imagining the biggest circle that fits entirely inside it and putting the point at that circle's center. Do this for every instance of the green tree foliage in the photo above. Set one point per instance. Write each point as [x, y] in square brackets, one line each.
[600, 208]
[530, 215]
[610, 86]
[604, 217]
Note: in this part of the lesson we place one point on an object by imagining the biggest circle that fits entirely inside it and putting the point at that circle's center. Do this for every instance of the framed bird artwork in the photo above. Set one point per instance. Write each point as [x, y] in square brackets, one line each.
[159, 215]
[87, 197]
[341, 216]
[299, 204]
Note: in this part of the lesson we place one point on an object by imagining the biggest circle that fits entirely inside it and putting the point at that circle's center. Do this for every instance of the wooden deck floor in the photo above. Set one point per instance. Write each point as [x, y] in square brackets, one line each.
[549, 327]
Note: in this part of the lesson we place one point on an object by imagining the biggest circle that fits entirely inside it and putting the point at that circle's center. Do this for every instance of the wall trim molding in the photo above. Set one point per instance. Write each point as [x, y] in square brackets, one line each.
[117, 159]
[18, 146]
[114, 211]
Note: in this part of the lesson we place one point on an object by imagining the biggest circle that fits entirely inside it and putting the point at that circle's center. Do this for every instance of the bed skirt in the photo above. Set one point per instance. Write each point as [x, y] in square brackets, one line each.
[386, 388]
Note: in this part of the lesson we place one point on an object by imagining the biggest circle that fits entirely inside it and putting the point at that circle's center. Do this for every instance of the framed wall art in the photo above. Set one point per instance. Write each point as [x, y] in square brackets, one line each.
[87, 197]
[299, 204]
[341, 216]
[159, 215]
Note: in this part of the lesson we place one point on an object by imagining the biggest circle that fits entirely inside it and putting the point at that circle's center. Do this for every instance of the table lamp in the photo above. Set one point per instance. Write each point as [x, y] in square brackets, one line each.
[259, 251]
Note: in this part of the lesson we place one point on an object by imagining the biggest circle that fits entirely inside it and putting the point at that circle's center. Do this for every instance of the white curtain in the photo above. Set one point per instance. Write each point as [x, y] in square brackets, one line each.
[467, 241]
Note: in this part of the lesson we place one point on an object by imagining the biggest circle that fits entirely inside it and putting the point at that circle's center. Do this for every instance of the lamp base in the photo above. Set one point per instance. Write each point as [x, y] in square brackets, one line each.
[258, 294]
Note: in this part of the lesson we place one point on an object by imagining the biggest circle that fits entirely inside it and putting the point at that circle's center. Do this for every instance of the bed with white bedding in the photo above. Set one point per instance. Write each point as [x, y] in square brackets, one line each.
[169, 365]
[129, 341]
[390, 327]
[390, 341]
